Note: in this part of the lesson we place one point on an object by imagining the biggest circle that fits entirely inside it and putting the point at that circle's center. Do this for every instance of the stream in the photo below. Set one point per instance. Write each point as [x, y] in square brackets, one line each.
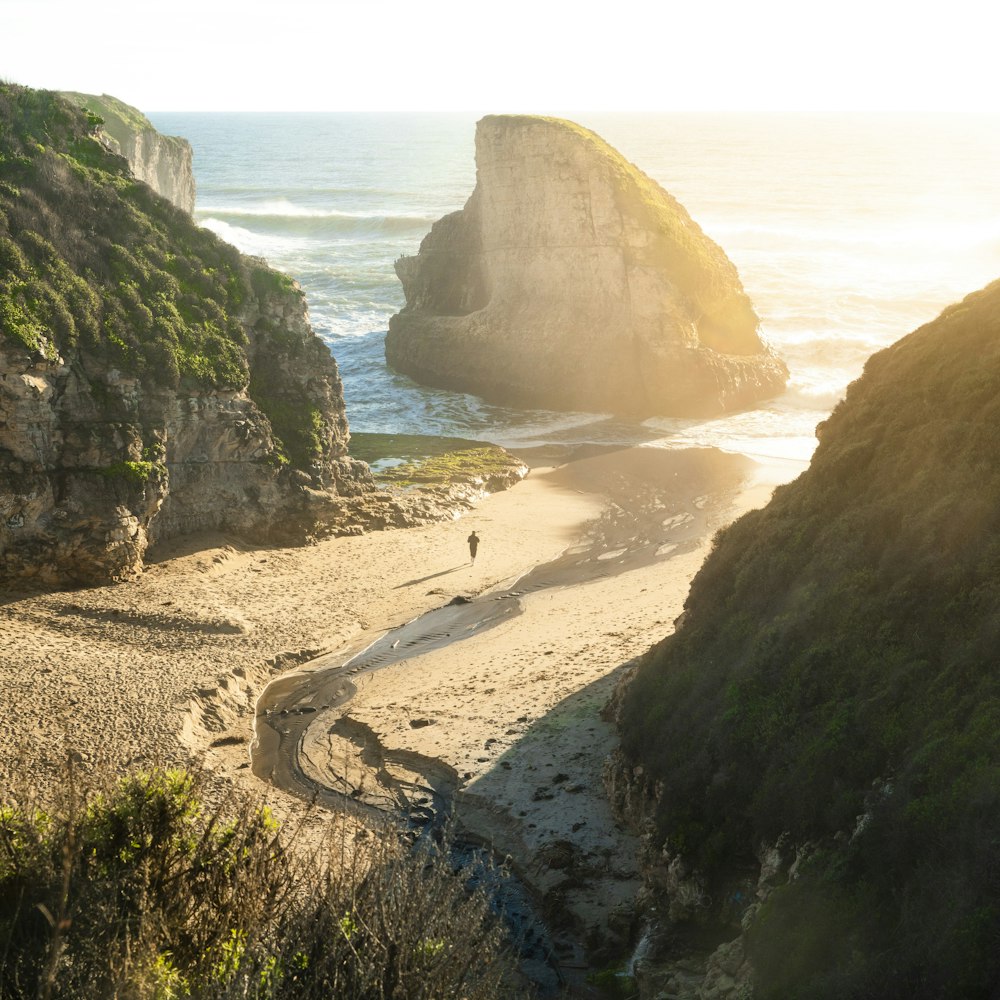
[421, 790]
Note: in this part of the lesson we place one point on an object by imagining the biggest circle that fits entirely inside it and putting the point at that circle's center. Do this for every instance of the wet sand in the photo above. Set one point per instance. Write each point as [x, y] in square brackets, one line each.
[490, 709]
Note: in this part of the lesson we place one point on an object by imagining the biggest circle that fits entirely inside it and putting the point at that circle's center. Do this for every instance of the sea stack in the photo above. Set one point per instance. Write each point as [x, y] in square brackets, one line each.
[571, 280]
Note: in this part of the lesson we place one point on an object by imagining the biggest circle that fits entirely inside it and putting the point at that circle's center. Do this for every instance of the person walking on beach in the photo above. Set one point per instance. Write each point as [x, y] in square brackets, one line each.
[473, 541]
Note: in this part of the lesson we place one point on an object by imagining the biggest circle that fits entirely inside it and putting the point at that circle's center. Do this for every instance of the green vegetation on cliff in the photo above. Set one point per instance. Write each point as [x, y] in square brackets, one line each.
[118, 118]
[835, 679]
[94, 264]
[90, 256]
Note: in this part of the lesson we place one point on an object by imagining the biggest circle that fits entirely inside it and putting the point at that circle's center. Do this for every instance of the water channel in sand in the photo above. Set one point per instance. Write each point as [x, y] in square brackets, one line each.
[618, 542]
[645, 521]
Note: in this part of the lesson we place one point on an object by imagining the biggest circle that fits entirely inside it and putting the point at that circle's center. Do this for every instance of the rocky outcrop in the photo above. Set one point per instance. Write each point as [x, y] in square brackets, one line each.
[571, 280]
[153, 381]
[161, 161]
[97, 465]
[679, 911]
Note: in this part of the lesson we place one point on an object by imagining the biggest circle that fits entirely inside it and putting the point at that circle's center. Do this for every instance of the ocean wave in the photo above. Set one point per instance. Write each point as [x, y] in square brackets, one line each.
[827, 343]
[776, 431]
[344, 326]
[284, 207]
[285, 218]
[257, 244]
[817, 396]
[250, 190]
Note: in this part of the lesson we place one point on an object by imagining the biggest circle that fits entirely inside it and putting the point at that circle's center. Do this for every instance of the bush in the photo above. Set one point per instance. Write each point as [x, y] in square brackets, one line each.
[144, 891]
[137, 473]
[86, 246]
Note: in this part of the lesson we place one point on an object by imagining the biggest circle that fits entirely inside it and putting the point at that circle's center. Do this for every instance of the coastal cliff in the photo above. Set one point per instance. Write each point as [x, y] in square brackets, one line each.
[813, 758]
[161, 161]
[154, 382]
[571, 280]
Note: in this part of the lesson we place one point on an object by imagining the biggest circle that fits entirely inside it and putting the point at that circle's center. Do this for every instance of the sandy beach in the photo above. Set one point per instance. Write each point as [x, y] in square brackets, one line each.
[168, 668]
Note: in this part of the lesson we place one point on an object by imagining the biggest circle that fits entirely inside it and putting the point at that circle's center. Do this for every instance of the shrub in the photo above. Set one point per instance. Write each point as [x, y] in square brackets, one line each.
[137, 473]
[143, 890]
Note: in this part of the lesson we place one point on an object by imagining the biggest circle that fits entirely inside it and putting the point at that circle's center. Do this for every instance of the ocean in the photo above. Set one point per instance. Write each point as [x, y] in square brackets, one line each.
[848, 232]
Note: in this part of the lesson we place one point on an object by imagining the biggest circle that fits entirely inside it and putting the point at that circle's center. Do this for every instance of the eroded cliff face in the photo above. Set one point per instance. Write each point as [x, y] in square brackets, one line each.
[571, 280]
[97, 465]
[164, 162]
[153, 381]
[683, 915]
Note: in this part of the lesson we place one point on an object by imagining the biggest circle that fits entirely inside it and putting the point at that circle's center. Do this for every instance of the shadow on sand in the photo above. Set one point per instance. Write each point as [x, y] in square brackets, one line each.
[432, 576]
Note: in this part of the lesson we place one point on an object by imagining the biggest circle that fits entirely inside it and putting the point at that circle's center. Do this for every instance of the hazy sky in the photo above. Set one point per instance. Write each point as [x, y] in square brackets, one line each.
[510, 55]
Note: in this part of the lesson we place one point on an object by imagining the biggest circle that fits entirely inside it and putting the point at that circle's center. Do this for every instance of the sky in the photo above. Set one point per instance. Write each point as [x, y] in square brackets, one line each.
[511, 56]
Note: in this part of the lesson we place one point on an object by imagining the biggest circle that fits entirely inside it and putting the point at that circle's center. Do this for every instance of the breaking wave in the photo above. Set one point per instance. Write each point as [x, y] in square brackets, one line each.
[286, 219]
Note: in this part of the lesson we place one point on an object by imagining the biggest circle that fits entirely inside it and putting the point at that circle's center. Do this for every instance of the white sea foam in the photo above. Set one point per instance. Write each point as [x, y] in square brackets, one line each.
[814, 397]
[281, 208]
[248, 241]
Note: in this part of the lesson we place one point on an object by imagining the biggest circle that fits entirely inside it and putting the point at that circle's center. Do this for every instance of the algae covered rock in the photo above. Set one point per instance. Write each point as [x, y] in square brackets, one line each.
[571, 280]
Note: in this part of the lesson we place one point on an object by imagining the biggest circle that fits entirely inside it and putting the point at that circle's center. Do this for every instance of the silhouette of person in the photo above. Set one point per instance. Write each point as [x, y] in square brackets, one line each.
[473, 541]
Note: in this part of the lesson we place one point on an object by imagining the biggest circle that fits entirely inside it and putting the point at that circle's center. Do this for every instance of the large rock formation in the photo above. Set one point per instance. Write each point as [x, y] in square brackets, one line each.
[153, 381]
[814, 756]
[161, 161]
[571, 280]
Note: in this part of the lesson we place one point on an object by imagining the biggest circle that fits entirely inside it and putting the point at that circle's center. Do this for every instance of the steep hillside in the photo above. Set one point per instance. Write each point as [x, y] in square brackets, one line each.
[153, 381]
[830, 704]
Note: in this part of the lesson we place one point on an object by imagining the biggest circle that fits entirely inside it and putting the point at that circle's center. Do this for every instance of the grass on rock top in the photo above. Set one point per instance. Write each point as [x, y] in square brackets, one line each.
[111, 110]
[410, 459]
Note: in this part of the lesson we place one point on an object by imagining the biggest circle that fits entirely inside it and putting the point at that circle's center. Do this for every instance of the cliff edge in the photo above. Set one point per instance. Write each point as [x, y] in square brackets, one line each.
[154, 382]
[164, 162]
[815, 754]
[571, 280]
